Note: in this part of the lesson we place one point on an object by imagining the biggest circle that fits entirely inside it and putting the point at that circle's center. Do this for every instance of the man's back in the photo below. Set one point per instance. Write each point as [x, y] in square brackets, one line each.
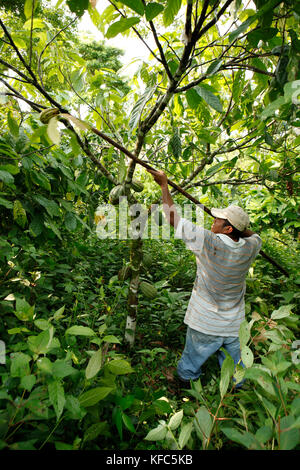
[216, 305]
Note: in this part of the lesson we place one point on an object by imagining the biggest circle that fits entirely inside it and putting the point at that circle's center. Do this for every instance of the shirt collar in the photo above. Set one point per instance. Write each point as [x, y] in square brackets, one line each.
[228, 241]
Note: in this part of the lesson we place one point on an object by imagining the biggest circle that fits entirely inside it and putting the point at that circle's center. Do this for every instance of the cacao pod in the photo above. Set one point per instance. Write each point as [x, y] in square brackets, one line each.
[115, 193]
[147, 260]
[148, 290]
[137, 186]
[48, 114]
[124, 272]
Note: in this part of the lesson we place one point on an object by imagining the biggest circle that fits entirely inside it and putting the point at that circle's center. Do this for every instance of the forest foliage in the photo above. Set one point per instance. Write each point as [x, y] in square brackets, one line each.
[216, 106]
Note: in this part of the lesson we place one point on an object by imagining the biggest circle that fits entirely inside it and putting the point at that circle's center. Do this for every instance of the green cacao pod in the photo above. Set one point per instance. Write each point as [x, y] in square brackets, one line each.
[48, 114]
[137, 186]
[115, 193]
[147, 260]
[148, 290]
[124, 272]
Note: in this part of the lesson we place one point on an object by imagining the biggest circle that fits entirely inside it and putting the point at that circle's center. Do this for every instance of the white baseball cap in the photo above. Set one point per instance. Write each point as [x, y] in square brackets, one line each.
[235, 215]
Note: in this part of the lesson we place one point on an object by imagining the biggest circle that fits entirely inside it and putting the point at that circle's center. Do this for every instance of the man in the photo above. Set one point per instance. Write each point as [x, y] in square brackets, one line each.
[216, 307]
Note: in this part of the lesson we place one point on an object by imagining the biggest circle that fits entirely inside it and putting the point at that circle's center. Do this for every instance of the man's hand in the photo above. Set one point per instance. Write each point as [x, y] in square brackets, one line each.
[159, 177]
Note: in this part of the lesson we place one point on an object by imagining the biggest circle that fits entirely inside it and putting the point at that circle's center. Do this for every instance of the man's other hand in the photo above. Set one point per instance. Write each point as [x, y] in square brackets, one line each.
[159, 177]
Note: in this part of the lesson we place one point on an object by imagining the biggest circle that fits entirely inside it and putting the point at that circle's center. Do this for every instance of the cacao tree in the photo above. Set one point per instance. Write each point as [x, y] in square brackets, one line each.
[216, 105]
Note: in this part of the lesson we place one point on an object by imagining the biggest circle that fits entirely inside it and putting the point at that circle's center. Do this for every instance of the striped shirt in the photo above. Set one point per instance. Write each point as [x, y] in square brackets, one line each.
[217, 305]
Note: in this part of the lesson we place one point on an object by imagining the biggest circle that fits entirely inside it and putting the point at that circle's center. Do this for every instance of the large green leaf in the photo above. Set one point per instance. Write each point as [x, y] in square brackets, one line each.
[203, 423]
[121, 26]
[57, 397]
[24, 311]
[139, 106]
[210, 98]
[78, 330]
[78, 6]
[227, 371]
[152, 10]
[135, 5]
[19, 365]
[171, 10]
[94, 365]
[93, 396]
[119, 367]
[6, 177]
[175, 420]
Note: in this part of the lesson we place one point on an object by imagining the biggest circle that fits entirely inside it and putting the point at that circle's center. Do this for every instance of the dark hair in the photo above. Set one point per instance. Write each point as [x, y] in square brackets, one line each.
[235, 232]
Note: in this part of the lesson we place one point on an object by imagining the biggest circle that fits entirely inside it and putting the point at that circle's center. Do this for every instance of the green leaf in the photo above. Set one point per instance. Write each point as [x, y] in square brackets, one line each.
[57, 397]
[193, 98]
[247, 356]
[12, 124]
[157, 434]
[43, 342]
[175, 420]
[37, 23]
[244, 333]
[6, 177]
[44, 365]
[185, 434]
[272, 107]
[61, 369]
[135, 5]
[121, 26]
[139, 106]
[70, 222]
[94, 365]
[128, 423]
[94, 431]
[40, 180]
[78, 6]
[27, 382]
[5, 203]
[78, 330]
[171, 10]
[209, 97]
[203, 423]
[24, 311]
[289, 438]
[282, 312]
[214, 67]
[227, 371]
[111, 339]
[119, 367]
[91, 397]
[152, 10]
[29, 5]
[19, 366]
[51, 207]
[264, 434]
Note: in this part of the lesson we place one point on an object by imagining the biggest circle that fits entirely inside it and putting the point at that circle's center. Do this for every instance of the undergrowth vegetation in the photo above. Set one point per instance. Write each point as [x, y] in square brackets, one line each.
[70, 381]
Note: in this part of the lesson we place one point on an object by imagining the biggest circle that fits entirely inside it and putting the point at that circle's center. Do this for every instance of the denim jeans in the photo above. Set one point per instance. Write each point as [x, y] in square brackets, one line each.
[199, 347]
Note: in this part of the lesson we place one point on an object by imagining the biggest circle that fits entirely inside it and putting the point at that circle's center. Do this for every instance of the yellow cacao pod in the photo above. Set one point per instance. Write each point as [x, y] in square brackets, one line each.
[48, 114]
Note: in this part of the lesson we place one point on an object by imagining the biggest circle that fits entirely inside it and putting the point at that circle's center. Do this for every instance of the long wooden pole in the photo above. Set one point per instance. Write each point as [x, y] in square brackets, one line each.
[171, 183]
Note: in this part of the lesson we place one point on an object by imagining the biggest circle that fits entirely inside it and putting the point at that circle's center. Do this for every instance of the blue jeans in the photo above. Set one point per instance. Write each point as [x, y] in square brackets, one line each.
[199, 347]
